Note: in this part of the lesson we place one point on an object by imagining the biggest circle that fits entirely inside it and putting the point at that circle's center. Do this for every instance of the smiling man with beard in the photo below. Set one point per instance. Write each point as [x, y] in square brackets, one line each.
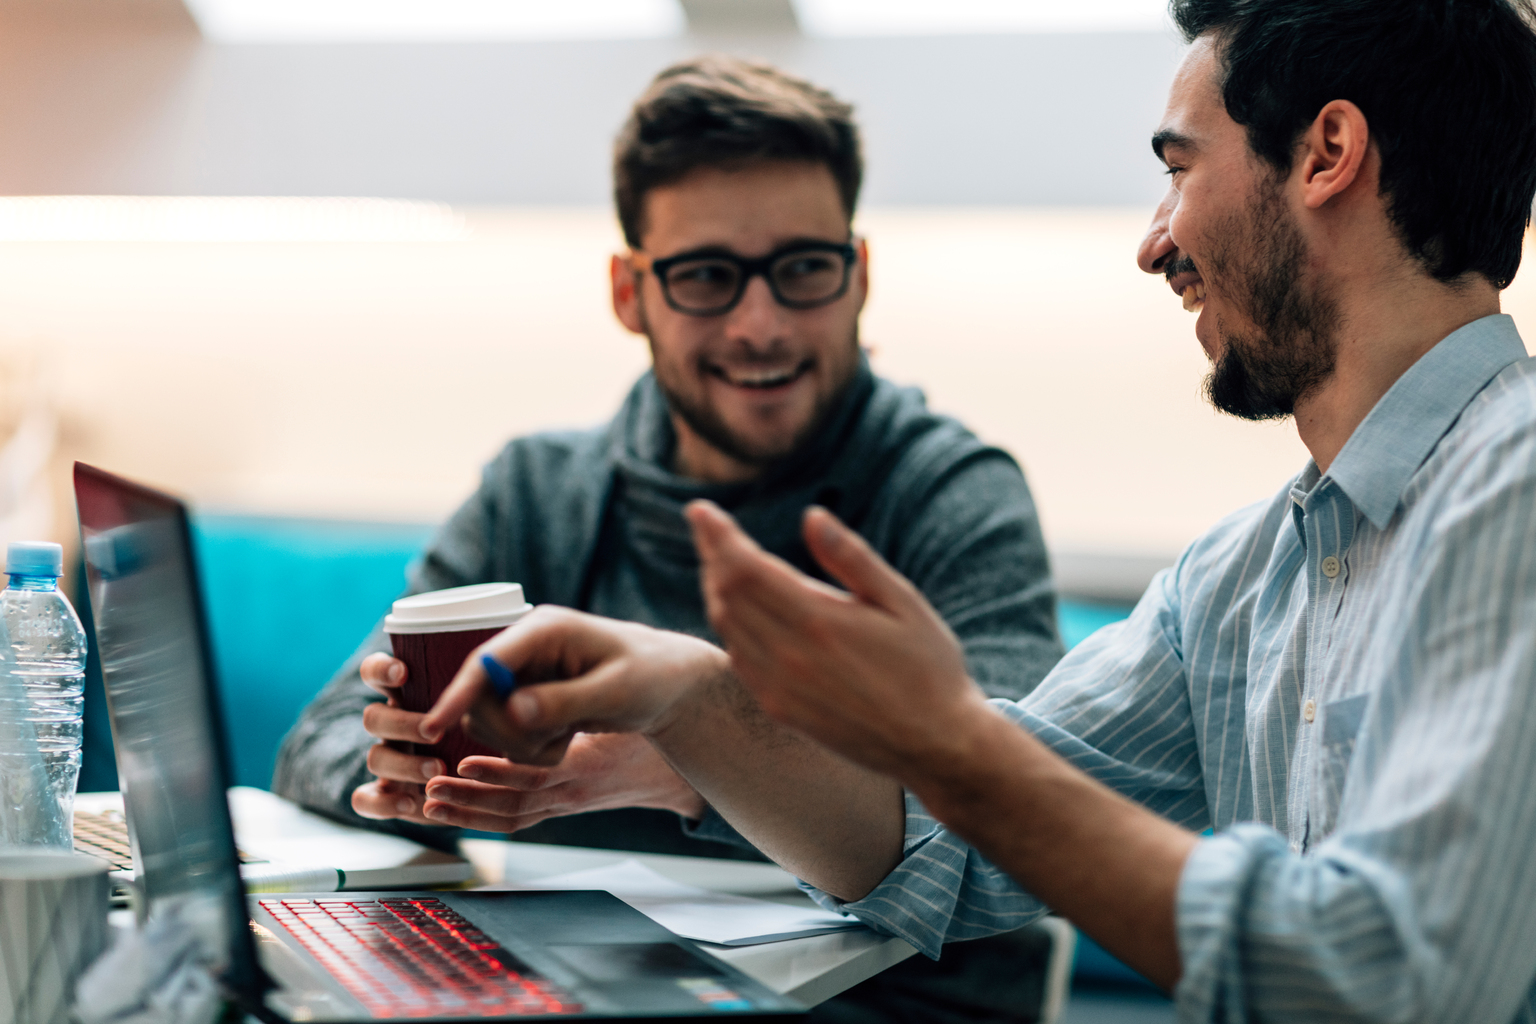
[1298, 784]
[1261, 374]
[735, 186]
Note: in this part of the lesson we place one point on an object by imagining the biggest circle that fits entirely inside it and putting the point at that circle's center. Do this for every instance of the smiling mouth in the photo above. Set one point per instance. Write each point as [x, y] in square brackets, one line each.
[1194, 297]
[762, 379]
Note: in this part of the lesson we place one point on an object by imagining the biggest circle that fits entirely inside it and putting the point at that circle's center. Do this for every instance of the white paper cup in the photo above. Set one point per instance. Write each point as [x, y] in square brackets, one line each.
[53, 923]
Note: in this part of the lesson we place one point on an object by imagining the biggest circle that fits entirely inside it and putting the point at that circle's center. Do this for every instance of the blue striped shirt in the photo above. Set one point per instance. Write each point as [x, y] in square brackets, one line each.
[1341, 682]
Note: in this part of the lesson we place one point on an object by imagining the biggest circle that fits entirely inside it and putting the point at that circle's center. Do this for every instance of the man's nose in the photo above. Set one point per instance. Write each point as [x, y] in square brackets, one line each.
[757, 318]
[1157, 247]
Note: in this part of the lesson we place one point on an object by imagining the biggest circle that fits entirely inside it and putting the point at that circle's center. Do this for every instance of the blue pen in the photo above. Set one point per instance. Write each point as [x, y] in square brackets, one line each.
[503, 680]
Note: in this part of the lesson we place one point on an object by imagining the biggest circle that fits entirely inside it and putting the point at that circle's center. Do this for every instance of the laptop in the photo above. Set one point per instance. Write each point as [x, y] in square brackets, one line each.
[312, 956]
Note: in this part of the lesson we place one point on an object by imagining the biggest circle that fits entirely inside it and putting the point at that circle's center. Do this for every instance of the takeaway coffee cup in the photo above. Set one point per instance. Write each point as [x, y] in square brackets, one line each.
[53, 923]
[433, 633]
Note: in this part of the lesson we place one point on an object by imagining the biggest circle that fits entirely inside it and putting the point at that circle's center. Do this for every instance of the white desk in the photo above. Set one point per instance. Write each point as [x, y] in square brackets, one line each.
[808, 970]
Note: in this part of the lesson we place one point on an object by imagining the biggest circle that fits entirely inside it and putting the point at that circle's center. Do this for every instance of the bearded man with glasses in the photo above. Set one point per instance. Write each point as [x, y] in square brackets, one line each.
[735, 186]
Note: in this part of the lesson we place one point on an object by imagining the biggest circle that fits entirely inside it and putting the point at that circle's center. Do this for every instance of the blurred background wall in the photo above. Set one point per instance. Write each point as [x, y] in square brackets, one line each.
[277, 348]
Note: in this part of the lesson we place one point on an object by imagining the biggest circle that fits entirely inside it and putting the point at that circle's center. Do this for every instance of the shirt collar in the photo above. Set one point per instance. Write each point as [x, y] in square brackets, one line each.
[1395, 438]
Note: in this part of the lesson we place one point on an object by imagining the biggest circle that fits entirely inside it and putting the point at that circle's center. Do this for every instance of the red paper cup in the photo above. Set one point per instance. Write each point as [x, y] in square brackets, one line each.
[433, 634]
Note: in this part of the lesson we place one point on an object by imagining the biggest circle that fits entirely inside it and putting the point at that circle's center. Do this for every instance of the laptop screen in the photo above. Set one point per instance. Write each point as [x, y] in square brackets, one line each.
[155, 665]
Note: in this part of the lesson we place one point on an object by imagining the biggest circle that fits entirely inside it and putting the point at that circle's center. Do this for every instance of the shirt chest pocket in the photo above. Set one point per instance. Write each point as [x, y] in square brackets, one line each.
[1341, 723]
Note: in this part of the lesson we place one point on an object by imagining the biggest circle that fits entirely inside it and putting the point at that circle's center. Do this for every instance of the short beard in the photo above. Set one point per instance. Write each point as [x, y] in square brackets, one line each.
[713, 430]
[1262, 376]
[703, 421]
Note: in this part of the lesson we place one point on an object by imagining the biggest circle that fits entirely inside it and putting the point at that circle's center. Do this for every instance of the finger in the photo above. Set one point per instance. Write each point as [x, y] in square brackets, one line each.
[595, 702]
[723, 545]
[714, 529]
[509, 803]
[735, 566]
[750, 595]
[546, 632]
[389, 763]
[377, 800]
[440, 813]
[850, 560]
[491, 723]
[536, 725]
[499, 771]
[454, 702]
[383, 673]
[386, 723]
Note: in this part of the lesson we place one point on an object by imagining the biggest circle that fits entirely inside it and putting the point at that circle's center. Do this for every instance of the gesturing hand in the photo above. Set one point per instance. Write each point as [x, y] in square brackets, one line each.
[576, 673]
[873, 673]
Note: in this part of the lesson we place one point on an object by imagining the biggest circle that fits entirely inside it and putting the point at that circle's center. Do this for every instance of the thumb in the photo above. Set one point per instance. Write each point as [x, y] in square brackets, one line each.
[534, 725]
[596, 702]
[850, 560]
[715, 533]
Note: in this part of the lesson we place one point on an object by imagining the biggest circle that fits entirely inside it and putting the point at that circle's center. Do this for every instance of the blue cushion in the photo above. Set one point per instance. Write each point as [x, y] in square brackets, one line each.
[1077, 619]
[288, 601]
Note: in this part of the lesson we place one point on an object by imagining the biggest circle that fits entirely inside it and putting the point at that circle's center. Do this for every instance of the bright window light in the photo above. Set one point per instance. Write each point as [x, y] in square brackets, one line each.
[225, 219]
[270, 21]
[950, 17]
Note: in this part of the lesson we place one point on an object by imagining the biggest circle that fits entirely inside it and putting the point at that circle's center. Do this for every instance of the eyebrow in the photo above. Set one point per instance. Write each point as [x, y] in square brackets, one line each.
[716, 249]
[1169, 137]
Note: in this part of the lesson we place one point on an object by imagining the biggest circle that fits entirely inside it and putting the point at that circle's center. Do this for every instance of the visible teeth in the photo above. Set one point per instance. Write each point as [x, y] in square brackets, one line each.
[1194, 297]
[762, 380]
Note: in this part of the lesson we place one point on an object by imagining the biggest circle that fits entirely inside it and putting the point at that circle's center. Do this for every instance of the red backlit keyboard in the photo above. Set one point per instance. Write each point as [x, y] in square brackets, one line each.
[415, 957]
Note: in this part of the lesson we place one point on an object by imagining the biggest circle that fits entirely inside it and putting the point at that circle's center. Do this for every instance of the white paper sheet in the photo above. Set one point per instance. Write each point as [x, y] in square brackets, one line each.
[695, 913]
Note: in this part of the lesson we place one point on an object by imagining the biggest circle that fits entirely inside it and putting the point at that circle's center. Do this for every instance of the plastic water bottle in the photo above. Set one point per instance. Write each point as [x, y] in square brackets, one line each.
[42, 697]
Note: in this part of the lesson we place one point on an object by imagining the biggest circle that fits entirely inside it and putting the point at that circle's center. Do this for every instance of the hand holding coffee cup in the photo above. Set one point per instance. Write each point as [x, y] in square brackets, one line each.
[432, 634]
[406, 758]
[399, 775]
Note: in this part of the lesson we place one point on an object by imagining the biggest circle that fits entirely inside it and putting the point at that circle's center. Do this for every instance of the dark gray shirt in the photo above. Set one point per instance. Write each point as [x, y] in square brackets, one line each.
[593, 520]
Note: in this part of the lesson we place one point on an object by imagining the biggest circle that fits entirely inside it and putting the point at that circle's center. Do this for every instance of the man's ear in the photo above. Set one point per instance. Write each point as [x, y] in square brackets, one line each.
[1332, 152]
[861, 272]
[626, 294]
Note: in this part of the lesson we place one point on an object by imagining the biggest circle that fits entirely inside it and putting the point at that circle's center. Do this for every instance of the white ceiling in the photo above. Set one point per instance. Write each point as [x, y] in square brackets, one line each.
[952, 17]
[253, 21]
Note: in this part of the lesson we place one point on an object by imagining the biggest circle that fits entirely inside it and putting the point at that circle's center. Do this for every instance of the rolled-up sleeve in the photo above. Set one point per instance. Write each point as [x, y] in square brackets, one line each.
[1268, 934]
[942, 891]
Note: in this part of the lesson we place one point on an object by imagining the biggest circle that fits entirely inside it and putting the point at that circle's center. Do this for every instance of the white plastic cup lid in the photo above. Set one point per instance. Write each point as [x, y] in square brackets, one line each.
[478, 606]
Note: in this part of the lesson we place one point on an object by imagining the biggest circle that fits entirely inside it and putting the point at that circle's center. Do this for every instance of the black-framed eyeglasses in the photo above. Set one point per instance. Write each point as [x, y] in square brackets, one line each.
[711, 282]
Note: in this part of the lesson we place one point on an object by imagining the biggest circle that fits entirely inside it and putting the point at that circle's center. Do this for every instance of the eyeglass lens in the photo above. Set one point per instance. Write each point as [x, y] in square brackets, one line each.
[797, 278]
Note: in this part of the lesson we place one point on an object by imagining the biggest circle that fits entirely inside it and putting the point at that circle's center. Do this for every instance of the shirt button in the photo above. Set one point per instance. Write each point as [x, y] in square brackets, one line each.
[1309, 711]
[1330, 569]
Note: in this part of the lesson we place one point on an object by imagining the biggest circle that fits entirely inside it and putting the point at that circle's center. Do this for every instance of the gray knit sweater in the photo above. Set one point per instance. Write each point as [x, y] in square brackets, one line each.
[592, 520]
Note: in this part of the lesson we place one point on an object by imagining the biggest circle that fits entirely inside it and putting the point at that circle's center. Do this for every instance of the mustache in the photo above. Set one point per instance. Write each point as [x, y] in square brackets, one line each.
[1182, 265]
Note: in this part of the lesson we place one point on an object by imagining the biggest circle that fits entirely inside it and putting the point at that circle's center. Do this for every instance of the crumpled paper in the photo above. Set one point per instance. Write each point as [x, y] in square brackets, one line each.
[158, 974]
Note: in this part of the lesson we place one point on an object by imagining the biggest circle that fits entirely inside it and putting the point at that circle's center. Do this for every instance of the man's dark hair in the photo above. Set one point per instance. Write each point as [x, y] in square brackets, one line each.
[1448, 88]
[725, 112]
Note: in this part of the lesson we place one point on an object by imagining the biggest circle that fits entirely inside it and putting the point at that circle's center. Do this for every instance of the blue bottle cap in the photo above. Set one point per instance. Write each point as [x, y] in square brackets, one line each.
[34, 558]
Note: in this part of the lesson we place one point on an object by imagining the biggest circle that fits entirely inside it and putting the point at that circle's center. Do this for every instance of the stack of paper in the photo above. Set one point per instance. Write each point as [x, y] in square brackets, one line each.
[694, 913]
